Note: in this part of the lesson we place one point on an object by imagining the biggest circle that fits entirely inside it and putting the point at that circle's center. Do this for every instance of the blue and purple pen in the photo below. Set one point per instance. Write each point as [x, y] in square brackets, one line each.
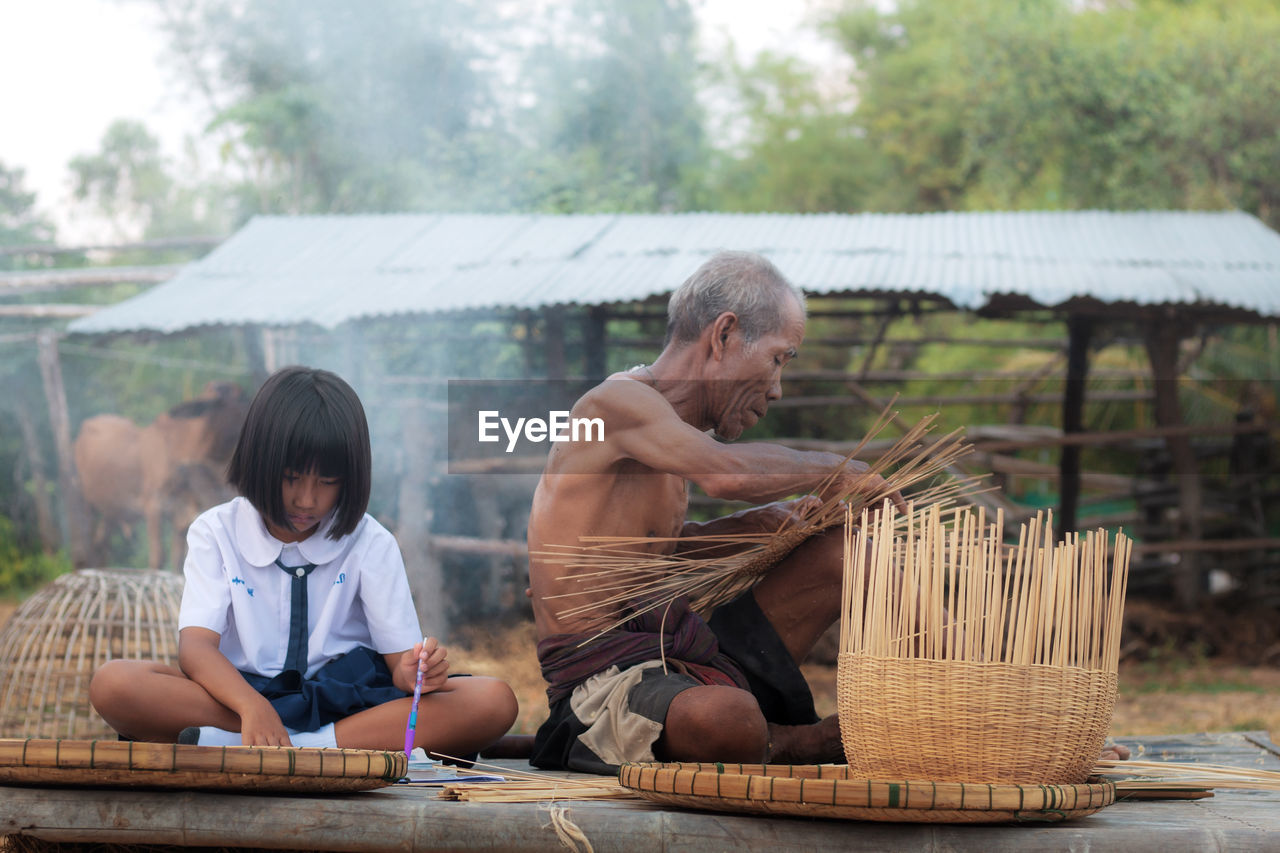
[411, 729]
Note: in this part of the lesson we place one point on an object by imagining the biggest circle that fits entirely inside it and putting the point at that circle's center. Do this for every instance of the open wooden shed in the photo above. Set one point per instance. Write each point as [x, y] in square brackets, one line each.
[547, 296]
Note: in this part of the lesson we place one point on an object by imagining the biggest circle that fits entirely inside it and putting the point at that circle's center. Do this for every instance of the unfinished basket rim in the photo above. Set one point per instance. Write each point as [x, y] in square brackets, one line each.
[829, 791]
[43, 761]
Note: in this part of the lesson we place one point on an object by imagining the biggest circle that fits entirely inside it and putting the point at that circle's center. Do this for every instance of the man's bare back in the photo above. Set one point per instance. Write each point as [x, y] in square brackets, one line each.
[591, 489]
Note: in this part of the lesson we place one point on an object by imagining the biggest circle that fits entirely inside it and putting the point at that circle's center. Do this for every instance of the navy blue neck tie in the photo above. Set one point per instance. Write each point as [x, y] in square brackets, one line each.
[296, 657]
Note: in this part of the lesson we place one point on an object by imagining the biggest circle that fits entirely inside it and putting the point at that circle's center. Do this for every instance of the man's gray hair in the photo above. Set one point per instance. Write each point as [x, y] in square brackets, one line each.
[745, 283]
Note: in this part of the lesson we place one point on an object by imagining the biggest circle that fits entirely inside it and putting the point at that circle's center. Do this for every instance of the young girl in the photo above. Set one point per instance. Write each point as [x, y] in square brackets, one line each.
[297, 626]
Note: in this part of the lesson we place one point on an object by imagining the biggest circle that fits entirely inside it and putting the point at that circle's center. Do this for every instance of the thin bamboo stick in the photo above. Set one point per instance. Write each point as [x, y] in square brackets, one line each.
[952, 590]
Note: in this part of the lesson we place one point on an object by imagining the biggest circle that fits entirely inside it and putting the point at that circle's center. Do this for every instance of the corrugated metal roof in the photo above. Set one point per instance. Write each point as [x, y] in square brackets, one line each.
[331, 269]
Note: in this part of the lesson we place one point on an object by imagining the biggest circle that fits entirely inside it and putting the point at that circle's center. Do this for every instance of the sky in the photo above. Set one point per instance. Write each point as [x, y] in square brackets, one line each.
[71, 67]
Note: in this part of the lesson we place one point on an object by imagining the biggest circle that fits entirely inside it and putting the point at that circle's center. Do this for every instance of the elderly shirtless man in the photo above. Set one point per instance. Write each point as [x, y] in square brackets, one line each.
[731, 689]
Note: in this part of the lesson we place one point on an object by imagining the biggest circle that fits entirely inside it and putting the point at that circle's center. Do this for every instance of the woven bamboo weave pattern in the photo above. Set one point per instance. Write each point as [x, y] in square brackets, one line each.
[967, 659]
[88, 762]
[967, 721]
[837, 791]
[51, 646]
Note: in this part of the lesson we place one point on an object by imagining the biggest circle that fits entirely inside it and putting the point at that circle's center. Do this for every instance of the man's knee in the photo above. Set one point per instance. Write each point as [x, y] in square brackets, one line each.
[715, 724]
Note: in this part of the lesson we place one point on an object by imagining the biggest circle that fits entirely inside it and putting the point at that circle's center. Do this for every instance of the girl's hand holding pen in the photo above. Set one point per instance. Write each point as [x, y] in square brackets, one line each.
[431, 657]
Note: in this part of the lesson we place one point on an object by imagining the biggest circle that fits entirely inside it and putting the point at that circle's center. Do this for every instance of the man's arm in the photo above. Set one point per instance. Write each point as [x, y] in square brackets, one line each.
[758, 519]
[641, 425]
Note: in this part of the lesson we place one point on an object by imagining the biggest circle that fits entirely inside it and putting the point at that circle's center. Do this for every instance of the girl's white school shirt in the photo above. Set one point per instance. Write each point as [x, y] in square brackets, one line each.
[358, 594]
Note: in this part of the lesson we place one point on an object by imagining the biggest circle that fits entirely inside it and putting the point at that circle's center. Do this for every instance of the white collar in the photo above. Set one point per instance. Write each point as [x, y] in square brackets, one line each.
[259, 548]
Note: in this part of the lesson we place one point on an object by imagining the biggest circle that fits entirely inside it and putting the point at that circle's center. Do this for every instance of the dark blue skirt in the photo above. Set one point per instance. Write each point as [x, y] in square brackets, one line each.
[344, 686]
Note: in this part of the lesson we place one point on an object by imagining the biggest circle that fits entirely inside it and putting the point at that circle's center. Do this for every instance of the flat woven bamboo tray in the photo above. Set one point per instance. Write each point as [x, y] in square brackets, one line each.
[89, 763]
[829, 791]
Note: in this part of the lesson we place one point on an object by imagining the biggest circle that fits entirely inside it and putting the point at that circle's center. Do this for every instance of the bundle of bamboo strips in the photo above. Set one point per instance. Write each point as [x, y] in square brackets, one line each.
[522, 786]
[620, 581]
[966, 659]
[1170, 775]
[527, 791]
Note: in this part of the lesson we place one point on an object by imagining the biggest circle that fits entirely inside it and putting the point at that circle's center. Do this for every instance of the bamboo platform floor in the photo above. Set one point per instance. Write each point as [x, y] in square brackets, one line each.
[412, 818]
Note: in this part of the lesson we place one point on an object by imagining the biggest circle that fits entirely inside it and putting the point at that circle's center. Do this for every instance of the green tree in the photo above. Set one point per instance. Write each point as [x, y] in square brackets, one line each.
[329, 106]
[802, 149]
[20, 223]
[323, 106]
[615, 114]
[979, 104]
[129, 182]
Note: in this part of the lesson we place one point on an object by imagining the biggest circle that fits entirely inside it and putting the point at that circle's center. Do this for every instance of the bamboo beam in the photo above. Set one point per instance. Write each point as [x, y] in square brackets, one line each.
[51, 311]
[965, 399]
[476, 545]
[53, 250]
[31, 281]
[1007, 445]
[1199, 546]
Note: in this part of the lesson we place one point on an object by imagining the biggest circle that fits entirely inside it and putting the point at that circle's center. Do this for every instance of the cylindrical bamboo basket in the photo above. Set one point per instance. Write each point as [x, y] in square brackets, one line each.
[967, 721]
[55, 641]
[967, 659]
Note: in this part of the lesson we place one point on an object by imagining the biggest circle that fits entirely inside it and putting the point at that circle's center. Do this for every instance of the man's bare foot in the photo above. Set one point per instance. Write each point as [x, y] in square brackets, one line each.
[818, 743]
[1115, 752]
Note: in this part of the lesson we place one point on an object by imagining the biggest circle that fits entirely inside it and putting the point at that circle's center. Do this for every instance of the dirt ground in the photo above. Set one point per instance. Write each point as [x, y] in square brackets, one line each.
[1165, 688]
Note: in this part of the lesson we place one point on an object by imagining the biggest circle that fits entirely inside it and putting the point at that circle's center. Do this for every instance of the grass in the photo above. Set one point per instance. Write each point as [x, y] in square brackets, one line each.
[1174, 697]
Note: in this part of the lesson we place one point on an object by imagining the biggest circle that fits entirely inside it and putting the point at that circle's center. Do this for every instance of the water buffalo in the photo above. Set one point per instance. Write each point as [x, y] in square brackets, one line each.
[165, 472]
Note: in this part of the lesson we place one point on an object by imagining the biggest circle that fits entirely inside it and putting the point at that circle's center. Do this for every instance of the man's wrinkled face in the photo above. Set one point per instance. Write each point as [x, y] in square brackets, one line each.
[750, 377]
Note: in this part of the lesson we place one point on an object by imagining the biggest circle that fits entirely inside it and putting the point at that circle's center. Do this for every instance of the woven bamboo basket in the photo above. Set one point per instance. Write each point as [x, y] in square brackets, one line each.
[51, 646]
[966, 659]
[836, 791]
[114, 763]
[966, 721]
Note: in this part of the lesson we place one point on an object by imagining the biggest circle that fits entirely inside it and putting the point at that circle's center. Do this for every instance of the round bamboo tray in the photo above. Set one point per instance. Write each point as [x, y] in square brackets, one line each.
[89, 763]
[966, 721]
[835, 791]
[50, 647]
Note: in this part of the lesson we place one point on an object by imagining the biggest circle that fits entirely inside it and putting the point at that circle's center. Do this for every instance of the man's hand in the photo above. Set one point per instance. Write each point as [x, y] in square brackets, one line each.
[1115, 752]
[767, 518]
[857, 480]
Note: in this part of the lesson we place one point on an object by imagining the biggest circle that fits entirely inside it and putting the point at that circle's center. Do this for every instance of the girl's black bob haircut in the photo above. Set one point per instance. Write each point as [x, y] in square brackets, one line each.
[305, 420]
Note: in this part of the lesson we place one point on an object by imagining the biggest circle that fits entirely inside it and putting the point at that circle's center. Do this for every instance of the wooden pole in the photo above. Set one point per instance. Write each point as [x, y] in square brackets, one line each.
[553, 324]
[528, 320]
[1080, 330]
[253, 339]
[77, 529]
[426, 574]
[1162, 340]
[595, 327]
[50, 538]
